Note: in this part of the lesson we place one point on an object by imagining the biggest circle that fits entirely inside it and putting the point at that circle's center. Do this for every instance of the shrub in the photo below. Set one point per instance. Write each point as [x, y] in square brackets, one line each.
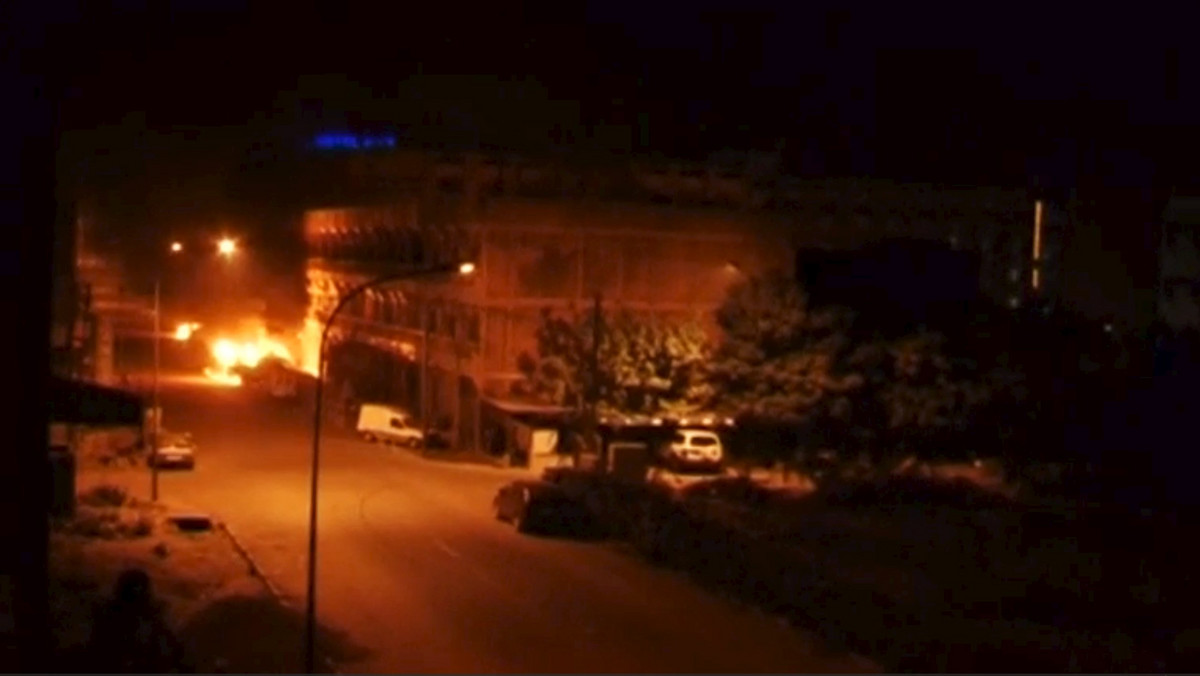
[917, 491]
[96, 524]
[141, 527]
[105, 495]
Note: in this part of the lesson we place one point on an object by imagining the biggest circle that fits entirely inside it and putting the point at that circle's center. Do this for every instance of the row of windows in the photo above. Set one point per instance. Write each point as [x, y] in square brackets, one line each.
[452, 320]
[386, 245]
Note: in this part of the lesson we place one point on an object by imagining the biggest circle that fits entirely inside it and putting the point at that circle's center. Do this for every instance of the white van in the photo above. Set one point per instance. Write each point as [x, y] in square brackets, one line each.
[391, 425]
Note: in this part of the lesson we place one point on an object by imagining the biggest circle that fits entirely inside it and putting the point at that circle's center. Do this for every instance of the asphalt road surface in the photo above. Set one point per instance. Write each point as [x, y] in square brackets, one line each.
[414, 568]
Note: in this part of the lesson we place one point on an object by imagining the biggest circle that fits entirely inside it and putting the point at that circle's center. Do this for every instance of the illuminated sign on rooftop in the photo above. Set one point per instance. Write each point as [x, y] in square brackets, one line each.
[348, 141]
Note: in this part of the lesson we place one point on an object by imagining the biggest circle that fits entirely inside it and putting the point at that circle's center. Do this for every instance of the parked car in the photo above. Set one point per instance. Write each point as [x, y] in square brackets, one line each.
[174, 450]
[388, 424]
[535, 506]
[694, 450]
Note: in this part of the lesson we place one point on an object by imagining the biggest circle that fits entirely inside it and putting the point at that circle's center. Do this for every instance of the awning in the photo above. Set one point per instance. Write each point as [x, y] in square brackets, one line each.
[83, 403]
[517, 407]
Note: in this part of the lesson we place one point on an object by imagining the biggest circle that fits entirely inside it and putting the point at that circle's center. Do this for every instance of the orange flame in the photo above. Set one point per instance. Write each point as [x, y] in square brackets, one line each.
[229, 354]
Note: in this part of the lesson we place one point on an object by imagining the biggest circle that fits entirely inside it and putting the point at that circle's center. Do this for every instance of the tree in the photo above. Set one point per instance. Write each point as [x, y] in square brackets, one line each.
[781, 362]
[645, 365]
[916, 397]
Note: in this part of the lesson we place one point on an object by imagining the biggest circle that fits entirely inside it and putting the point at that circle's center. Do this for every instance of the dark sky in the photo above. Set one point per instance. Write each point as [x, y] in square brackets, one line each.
[163, 99]
[964, 76]
[955, 92]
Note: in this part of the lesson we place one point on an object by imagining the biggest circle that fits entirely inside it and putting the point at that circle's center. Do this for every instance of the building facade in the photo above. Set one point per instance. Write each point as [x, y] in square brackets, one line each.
[1179, 284]
[665, 238]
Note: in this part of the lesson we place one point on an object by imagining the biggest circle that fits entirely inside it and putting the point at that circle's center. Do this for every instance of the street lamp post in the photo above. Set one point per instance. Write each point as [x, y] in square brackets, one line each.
[226, 247]
[155, 411]
[310, 615]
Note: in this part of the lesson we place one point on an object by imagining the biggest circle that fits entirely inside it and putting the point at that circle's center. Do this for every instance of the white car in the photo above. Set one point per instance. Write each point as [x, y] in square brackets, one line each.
[174, 450]
[695, 450]
[391, 425]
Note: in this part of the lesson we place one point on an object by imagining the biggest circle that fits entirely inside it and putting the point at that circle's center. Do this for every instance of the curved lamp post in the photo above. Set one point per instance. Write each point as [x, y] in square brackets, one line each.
[310, 614]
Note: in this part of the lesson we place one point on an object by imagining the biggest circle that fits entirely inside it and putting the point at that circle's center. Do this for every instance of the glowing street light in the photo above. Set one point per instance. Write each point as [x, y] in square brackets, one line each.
[226, 247]
[310, 625]
[184, 331]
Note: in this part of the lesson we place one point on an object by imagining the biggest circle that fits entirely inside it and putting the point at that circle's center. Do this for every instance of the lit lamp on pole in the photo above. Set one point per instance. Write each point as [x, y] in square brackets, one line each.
[225, 247]
[453, 270]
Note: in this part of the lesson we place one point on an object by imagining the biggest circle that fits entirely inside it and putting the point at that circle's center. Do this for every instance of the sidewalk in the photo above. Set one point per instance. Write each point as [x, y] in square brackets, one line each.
[225, 618]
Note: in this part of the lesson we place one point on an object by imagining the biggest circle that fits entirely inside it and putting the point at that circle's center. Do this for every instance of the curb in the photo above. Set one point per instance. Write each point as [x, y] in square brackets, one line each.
[257, 571]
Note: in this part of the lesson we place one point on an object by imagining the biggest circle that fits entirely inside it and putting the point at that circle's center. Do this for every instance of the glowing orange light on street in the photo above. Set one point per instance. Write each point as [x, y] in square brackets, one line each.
[176, 247]
[226, 247]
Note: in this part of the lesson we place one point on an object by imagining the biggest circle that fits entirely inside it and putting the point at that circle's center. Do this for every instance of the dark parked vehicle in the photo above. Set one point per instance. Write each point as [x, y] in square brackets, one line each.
[542, 507]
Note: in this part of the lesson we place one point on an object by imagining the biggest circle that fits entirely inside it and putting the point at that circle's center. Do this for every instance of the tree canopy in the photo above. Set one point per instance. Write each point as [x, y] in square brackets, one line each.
[645, 364]
[780, 361]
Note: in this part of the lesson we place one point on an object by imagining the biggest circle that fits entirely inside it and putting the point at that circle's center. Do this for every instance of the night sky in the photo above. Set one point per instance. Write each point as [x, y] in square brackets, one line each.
[170, 96]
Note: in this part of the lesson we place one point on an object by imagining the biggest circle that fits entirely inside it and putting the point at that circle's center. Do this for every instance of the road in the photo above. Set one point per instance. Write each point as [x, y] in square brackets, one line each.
[414, 568]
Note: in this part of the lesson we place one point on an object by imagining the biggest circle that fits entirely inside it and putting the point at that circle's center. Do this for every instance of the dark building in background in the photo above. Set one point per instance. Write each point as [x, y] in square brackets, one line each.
[907, 283]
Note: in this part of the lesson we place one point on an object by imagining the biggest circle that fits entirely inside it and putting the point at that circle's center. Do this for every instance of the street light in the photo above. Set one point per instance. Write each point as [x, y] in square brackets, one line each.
[226, 247]
[175, 247]
[310, 626]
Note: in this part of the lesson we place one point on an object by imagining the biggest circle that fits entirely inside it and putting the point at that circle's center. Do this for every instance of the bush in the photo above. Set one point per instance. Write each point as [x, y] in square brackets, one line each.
[106, 495]
[140, 527]
[96, 524]
[916, 491]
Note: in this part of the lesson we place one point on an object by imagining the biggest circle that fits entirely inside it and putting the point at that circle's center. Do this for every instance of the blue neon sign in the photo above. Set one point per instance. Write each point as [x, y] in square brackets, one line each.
[348, 141]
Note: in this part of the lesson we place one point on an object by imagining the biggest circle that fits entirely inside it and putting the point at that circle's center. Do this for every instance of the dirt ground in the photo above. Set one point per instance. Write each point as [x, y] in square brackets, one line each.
[222, 614]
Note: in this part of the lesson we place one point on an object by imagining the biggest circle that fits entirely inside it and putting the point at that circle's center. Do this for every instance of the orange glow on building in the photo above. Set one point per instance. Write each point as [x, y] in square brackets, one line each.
[310, 346]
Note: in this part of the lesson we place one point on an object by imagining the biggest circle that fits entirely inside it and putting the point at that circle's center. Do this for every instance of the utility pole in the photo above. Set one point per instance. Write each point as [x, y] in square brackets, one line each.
[594, 385]
[1036, 259]
[155, 411]
[425, 407]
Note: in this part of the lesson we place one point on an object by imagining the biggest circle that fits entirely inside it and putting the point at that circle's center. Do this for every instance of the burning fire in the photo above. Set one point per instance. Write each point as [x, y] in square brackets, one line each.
[230, 354]
[223, 377]
[310, 346]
